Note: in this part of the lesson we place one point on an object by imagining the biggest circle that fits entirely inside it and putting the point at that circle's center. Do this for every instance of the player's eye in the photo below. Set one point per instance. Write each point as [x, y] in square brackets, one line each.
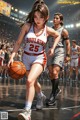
[41, 16]
[55, 18]
[35, 16]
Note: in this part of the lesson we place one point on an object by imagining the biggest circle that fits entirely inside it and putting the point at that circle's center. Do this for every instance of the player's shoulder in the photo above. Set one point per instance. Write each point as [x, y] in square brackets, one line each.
[50, 30]
[65, 32]
[78, 46]
[26, 27]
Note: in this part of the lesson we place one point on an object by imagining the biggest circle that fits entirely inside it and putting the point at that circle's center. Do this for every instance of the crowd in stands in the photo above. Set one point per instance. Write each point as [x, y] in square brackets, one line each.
[9, 31]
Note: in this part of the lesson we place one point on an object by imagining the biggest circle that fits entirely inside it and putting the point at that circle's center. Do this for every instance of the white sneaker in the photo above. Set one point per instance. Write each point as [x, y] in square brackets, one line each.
[25, 115]
[40, 102]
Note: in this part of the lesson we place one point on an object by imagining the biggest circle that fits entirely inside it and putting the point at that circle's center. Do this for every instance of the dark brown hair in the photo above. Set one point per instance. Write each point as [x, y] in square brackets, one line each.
[74, 41]
[40, 6]
[60, 16]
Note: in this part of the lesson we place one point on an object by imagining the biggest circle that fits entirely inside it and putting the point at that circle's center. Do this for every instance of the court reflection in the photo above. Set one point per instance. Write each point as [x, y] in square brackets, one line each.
[12, 99]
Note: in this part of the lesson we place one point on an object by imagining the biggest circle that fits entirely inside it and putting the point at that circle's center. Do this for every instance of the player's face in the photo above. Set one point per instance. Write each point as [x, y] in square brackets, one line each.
[4, 47]
[73, 44]
[56, 20]
[39, 19]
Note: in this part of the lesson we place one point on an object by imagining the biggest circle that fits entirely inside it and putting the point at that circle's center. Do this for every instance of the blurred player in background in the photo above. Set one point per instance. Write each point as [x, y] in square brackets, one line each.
[75, 51]
[55, 62]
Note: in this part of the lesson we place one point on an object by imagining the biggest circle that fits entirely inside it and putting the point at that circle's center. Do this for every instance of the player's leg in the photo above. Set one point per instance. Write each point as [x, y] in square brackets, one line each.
[76, 68]
[55, 82]
[57, 63]
[71, 68]
[34, 73]
[40, 96]
[50, 68]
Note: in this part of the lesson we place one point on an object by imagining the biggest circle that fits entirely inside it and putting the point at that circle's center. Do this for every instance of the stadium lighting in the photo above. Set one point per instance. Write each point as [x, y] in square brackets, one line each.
[12, 8]
[16, 19]
[26, 13]
[12, 18]
[21, 12]
[77, 24]
[69, 26]
[21, 21]
[72, 26]
[16, 10]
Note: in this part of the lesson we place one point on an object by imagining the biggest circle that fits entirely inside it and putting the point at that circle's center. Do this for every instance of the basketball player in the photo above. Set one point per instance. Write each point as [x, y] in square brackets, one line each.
[35, 33]
[75, 51]
[79, 61]
[56, 61]
[2, 55]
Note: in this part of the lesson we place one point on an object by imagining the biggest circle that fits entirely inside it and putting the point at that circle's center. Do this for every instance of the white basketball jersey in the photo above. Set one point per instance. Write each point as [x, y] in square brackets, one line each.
[51, 39]
[35, 44]
[74, 49]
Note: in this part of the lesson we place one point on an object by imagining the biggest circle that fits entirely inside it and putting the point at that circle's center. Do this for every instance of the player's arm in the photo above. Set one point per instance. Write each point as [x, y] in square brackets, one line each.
[65, 35]
[55, 34]
[0, 52]
[70, 51]
[1, 55]
[78, 48]
[23, 31]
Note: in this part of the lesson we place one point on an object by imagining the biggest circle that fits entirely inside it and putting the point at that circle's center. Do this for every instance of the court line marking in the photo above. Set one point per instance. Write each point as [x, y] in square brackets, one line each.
[48, 108]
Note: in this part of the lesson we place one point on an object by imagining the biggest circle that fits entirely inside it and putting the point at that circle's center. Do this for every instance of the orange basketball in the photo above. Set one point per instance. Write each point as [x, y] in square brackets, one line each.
[17, 70]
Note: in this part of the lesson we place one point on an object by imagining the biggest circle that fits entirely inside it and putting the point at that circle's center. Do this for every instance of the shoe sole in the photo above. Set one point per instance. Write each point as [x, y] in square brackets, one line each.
[51, 104]
[20, 117]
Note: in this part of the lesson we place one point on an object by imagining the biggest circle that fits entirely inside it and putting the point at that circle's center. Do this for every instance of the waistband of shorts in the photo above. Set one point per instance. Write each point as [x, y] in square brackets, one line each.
[33, 54]
[59, 46]
[74, 58]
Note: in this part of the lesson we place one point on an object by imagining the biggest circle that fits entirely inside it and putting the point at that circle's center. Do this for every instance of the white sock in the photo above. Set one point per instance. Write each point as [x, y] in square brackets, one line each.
[28, 105]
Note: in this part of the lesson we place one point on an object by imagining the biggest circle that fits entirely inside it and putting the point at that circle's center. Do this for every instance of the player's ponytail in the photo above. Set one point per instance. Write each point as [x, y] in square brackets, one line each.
[38, 2]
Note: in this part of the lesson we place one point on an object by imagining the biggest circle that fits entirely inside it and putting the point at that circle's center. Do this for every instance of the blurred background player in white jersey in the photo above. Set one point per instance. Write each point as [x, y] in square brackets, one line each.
[75, 51]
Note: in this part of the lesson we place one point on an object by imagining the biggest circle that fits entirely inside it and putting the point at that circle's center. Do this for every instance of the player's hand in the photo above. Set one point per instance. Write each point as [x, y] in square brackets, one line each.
[67, 59]
[10, 62]
[51, 52]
